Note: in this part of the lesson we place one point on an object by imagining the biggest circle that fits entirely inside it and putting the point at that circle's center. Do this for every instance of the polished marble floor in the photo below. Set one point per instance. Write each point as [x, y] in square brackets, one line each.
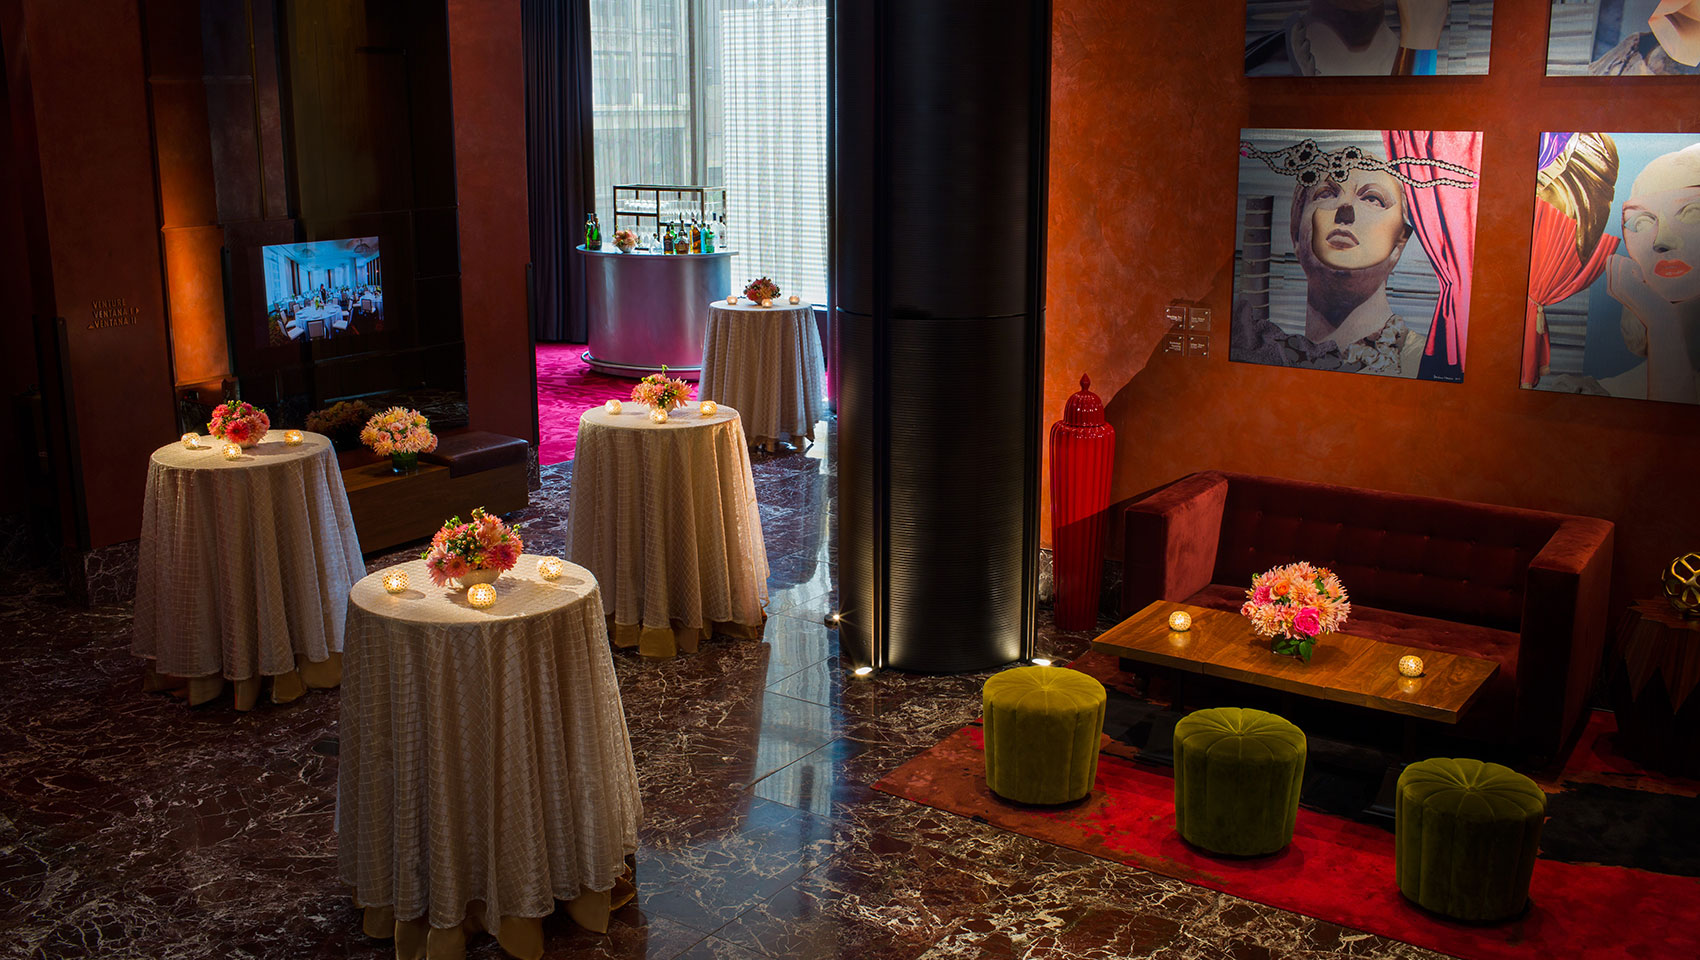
[131, 826]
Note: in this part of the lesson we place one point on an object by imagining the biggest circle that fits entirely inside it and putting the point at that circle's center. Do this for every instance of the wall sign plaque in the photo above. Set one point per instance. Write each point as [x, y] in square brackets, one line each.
[114, 312]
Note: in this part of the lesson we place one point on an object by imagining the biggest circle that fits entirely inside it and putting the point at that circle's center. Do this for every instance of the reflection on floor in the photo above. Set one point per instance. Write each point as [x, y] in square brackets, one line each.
[133, 827]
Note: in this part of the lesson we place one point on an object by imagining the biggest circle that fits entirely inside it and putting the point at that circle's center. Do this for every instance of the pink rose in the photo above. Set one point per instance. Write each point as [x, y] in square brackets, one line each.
[1261, 595]
[1308, 622]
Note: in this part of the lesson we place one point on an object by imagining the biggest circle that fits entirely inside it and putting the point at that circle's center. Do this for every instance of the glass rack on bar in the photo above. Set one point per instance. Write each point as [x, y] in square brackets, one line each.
[647, 209]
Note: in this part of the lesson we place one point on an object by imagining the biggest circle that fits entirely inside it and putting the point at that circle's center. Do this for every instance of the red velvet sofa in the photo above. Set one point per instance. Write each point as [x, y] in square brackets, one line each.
[1525, 588]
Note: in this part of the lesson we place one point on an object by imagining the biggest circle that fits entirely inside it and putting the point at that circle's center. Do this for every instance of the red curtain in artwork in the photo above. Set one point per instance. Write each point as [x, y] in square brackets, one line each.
[1555, 273]
[1445, 218]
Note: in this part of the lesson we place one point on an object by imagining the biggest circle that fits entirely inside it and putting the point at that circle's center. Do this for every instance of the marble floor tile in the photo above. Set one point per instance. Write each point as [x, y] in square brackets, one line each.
[132, 826]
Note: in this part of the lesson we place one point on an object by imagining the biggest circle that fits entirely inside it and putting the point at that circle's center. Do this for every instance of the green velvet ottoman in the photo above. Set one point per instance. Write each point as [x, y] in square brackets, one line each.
[1237, 778]
[1042, 726]
[1466, 833]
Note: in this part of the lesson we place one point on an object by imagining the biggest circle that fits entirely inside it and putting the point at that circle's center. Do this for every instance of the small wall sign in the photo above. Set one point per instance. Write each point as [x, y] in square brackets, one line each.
[114, 312]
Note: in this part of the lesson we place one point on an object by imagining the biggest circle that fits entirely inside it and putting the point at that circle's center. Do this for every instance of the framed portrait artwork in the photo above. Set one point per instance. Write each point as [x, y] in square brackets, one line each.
[1355, 250]
[1624, 38]
[1378, 38]
[1614, 275]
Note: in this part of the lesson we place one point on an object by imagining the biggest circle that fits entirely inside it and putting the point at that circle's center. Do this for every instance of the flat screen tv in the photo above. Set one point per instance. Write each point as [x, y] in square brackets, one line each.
[326, 290]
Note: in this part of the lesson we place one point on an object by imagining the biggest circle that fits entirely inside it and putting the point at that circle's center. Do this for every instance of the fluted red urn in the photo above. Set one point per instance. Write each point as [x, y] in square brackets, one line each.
[1083, 449]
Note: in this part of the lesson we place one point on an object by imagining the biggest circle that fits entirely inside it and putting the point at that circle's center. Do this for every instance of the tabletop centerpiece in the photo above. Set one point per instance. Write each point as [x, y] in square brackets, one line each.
[240, 423]
[478, 550]
[400, 434]
[661, 392]
[1294, 605]
[761, 290]
[624, 240]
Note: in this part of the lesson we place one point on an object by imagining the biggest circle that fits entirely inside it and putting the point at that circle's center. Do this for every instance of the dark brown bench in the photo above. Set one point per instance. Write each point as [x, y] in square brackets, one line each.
[471, 468]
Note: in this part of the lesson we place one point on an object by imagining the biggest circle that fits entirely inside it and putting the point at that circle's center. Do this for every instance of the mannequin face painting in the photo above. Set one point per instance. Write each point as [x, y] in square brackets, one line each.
[1661, 233]
[1357, 222]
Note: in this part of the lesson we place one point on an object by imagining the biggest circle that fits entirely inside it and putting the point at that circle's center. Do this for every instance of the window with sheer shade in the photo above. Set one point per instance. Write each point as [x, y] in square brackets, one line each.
[726, 93]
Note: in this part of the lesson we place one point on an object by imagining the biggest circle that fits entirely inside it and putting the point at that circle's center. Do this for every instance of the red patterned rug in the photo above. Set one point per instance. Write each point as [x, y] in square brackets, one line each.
[566, 387]
[1617, 876]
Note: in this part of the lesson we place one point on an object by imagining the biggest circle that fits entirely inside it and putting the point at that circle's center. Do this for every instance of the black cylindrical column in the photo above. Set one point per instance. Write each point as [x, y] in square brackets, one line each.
[940, 114]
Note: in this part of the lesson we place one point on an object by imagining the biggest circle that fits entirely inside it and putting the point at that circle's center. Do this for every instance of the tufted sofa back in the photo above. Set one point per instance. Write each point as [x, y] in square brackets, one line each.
[1448, 559]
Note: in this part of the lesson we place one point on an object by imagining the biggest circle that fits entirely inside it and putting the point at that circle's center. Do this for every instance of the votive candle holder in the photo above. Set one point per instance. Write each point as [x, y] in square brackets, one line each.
[293, 438]
[191, 441]
[232, 451]
[481, 596]
[395, 581]
[550, 568]
[612, 408]
[710, 408]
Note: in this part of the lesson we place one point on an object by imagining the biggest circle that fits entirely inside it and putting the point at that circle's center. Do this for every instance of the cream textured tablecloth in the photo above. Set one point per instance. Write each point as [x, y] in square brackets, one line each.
[766, 361]
[665, 516]
[485, 768]
[245, 566]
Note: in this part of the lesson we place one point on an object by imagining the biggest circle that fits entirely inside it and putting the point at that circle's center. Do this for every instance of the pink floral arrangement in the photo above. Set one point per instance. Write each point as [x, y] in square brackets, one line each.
[240, 423]
[761, 289]
[1295, 604]
[481, 543]
[661, 391]
[399, 430]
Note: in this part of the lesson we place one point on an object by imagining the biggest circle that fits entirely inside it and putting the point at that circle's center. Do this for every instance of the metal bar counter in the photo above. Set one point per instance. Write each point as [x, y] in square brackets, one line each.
[646, 310]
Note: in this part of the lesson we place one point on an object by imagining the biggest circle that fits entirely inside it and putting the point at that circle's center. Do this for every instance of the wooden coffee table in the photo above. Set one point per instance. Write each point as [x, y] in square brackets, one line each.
[1343, 668]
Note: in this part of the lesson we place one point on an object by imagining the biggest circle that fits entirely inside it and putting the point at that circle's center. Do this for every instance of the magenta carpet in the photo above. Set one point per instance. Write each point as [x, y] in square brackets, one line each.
[566, 387]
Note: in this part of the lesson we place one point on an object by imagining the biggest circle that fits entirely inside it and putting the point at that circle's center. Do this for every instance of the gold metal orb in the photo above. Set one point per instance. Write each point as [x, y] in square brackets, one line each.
[1180, 621]
[1682, 584]
[1410, 666]
[481, 595]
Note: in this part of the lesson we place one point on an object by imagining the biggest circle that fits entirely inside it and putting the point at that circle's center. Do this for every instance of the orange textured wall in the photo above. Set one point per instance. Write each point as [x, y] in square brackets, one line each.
[486, 57]
[1147, 104]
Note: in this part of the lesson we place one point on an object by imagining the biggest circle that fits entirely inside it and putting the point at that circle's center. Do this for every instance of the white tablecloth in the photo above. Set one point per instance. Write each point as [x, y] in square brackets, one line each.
[245, 564]
[484, 755]
[766, 361]
[665, 516]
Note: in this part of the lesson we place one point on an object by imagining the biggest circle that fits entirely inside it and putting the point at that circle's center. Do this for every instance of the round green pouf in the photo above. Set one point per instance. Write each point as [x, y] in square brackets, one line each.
[1466, 837]
[1042, 726]
[1237, 779]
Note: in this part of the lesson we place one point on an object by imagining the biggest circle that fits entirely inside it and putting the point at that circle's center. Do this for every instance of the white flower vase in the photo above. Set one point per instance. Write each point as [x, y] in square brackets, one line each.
[479, 576]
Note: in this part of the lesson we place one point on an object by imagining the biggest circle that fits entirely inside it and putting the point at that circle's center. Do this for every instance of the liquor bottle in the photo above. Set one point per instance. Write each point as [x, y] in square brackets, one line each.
[725, 243]
[708, 238]
[667, 240]
[682, 240]
[592, 233]
[696, 236]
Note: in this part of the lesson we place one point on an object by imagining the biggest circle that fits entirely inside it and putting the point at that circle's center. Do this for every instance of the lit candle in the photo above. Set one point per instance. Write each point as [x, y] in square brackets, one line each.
[481, 595]
[550, 568]
[658, 415]
[796, 299]
[292, 437]
[395, 581]
[767, 302]
[232, 452]
[612, 408]
[731, 299]
[191, 441]
[1180, 621]
[710, 408]
[1411, 666]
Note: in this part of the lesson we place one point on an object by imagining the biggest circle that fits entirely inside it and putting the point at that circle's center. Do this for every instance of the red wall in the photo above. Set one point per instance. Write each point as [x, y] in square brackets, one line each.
[487, 58]
[1146, 113]
[82, 120]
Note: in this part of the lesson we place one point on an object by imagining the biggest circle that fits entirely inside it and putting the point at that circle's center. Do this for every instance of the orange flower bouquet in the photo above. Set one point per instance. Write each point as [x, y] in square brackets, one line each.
[1295, 604]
